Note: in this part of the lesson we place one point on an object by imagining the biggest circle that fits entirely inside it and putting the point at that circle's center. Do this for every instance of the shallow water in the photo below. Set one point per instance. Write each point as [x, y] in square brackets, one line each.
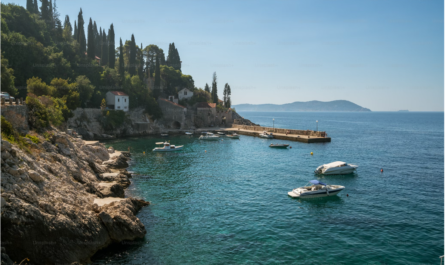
[229, 205]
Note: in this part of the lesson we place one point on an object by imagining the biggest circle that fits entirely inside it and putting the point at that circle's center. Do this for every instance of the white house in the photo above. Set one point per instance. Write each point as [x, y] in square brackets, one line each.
[117, 100]
[185, 94]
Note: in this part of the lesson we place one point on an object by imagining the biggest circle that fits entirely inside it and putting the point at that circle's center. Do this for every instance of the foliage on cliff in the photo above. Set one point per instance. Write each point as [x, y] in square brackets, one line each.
[113, 119]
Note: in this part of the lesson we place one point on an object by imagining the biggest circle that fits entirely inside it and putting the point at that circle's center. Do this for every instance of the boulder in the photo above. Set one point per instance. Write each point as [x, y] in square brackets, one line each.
[35, 176]
[6, 146]
[120, 162]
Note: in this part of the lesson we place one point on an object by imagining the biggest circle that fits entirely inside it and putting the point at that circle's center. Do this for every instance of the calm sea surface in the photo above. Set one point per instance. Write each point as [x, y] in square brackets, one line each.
[229, 205]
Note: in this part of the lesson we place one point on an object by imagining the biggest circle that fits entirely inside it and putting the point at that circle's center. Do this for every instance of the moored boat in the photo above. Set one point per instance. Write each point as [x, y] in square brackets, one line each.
[264, 134]
[282, 146]
[188, 133]
[336, 168]
[209, 137]
[316, 190]
[232, 136]
[167, 147]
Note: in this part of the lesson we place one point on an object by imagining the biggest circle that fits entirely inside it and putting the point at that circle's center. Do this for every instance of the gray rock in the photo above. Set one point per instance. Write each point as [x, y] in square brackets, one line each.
[6, 146]
[35, 176]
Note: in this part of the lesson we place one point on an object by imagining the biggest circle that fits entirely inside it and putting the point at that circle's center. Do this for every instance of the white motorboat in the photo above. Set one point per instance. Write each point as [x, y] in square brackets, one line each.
[316, 190]
[336, 168]
[232, 136]
[209, 137]
[221, 134]
[188, 133]
[167, 147]
[266, 135]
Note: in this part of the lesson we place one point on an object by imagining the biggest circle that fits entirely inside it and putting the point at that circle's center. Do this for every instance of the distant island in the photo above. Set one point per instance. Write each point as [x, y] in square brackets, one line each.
[336, 105]
[403, 110]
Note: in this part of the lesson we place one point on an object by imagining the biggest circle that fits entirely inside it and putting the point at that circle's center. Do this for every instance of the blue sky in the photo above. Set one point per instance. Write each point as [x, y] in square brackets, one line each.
[385, 55]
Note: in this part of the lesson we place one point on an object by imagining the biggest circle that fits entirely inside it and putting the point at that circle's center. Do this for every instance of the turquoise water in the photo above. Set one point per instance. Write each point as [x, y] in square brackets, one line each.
[229, 205]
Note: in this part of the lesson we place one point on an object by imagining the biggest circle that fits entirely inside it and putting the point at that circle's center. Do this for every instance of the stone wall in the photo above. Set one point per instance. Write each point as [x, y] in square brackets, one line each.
[174, 115]
[17, 115]
[277, 130]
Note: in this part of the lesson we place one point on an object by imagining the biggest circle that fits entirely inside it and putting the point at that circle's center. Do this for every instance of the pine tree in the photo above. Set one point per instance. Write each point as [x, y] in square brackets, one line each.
[157, 84]
[173, 59]
[81, 33]
[132, 59]
[121, 61]
[207, 88]
[111, 47]
[214, 89]
[75, 34]
[104, 42]
[30, 6]
[91, 52]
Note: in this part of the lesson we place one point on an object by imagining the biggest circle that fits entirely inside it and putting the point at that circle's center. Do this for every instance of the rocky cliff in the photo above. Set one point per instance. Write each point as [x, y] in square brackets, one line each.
[63, 200]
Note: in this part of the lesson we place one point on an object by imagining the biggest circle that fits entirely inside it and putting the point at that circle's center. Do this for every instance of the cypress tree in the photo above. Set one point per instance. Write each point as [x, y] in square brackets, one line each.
[51, 20]
[30, 6]
[132, 59]
[75, 36]
[207, 88]
[67, 23]
[214, 89]
[173, 59]
[157, 74]
[91, 45]
[81, 33]
[36, 8]
[121, 61]
[141, 64]
[45, 12]
[227, 93]
[104, 58]
[111, 47]
[99, 46]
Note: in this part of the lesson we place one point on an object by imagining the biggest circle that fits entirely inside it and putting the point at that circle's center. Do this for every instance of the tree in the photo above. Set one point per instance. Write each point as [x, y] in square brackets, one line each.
[111, 47]
[227, 93]
[91, 52]
[104, 44]
[75, 33]
[85, 88]
[7, 79]
[37, 87]
[173, 58]
[45, 12]
[151, 52]
[30, 6]
[68, 92]
[157, 84]
[132, 58]
[207, 88]
[214, 89]
[140, 63]
[81, 33]
[36, 8]
[67, 27]
[121, 61]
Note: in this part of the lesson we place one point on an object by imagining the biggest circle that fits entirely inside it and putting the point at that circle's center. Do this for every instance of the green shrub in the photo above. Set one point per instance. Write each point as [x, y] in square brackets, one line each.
[37, 113]
[113, 118]
[11, 135]
[34, 139]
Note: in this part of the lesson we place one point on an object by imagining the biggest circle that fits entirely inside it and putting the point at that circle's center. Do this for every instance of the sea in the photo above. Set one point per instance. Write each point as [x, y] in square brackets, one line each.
[226, 202]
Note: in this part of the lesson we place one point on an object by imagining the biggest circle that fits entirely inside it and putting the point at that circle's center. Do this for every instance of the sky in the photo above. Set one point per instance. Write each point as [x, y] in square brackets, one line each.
[385, 55]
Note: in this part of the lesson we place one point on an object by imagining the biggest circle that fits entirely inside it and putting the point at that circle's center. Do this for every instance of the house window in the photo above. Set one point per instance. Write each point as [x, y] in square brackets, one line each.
[125, 100]
[118, 107]
[118, 100]
[185, 93]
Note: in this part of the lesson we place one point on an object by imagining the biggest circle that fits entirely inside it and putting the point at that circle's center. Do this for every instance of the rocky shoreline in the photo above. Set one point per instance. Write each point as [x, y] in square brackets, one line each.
[63, 199]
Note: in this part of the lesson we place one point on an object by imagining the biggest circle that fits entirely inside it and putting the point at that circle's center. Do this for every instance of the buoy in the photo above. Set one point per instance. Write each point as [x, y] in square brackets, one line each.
[205, 151]
[290, 147]
[381, 170]
[347, 195]
[312, 153]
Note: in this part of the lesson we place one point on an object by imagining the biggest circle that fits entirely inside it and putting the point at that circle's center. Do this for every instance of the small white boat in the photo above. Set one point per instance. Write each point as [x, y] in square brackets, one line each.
[209, 137]
[188, 133]
[316, 190]
[336, 168]
[266, 135]
[232, 136]
[167, 147]
[221, 134]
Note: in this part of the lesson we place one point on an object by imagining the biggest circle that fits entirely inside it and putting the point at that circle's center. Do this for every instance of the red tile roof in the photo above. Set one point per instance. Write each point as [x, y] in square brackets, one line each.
[119, 93]
[166, 100]
[205, 105]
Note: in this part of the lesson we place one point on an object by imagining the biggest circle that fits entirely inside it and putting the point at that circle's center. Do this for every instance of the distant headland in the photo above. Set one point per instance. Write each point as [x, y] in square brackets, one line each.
[336, 105]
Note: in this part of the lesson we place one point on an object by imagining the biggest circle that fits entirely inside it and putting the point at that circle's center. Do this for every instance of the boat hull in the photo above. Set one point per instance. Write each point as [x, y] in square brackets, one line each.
[315, 194]
[279, 146]
[160, 149]
[232, 137]
[266, 136]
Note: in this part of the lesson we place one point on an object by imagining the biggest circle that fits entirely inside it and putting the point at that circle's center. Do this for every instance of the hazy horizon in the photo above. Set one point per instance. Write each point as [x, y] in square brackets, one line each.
[382, 55]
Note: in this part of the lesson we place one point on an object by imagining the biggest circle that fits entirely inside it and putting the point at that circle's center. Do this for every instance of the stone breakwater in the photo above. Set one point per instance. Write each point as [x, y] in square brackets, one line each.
[63, 201]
